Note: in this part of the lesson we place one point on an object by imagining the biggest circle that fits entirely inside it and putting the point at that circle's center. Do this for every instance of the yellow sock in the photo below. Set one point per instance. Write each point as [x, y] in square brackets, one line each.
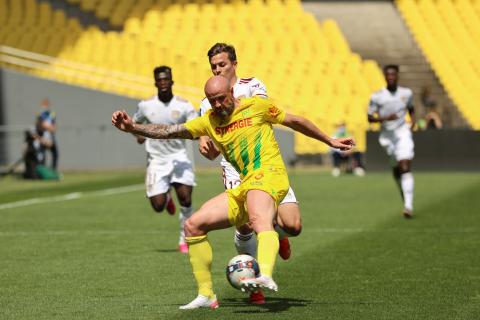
[200, 253]
[267, 251]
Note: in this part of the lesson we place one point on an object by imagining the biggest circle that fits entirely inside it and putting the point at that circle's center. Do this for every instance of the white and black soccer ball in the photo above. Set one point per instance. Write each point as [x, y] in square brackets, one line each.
[242, 267]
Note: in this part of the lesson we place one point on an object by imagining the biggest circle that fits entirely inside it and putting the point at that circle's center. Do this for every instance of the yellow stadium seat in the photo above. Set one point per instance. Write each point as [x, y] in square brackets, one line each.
[26, 41]
[30, 16]
[59, 19]
[448, 32]
[3, 13]
[89, 5]
[45, 15]
[336, 39]
[12, 39]
[14, 12]
[104, 8]
[40, 43]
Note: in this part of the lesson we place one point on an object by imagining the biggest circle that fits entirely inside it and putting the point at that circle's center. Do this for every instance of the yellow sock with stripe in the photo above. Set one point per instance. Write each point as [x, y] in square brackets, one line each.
[200, 253]
[267, 251]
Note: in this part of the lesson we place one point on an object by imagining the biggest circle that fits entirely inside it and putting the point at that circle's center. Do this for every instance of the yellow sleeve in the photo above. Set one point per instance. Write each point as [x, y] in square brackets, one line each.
[271, 112]
[198, 126]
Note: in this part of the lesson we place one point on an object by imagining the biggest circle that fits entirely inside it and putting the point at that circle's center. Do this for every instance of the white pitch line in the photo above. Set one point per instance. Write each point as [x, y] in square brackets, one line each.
[71, 196]
[143, 232]
[75, 233]
[393, 230]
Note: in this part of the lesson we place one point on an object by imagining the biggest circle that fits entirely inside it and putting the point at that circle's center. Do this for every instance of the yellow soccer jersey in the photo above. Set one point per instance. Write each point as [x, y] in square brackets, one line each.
[246, 139]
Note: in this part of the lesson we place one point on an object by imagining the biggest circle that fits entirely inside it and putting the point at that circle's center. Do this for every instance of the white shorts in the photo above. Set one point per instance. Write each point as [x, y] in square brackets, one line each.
[231, 179]
[160, 175]
[398, 143]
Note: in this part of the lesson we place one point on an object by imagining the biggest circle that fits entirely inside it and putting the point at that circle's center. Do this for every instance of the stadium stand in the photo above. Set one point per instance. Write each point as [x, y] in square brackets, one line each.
[307, 66]
[448, 33]
[377, 31]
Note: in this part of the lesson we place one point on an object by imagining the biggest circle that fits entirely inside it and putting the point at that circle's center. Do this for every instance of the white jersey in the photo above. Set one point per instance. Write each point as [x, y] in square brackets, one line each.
[177, 111]
[386, 103]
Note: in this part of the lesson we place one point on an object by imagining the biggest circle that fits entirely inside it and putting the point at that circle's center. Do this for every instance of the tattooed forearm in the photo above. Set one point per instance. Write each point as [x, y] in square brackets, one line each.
[162, 131]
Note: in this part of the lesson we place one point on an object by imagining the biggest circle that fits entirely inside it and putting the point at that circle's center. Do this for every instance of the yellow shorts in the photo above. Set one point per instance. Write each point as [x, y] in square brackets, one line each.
[273, 181]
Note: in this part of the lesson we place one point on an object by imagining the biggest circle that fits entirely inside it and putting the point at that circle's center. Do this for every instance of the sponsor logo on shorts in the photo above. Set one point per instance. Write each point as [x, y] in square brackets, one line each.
[259, 176]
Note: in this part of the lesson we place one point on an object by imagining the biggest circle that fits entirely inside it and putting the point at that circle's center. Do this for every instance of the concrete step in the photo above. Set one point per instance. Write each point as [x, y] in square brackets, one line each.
[416, 68]
[418, 60]
[415, 76]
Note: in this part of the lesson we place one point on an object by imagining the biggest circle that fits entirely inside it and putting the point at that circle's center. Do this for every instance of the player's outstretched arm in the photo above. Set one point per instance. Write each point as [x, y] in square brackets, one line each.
[308, 128]
[124, 122]
[140, 139]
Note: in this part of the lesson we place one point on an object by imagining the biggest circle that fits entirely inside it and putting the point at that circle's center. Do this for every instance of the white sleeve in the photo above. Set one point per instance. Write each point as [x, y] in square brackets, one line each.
[410, 101]
[139, 116]
[190, 112]
[204, 106]
[258, 88]
[372, 106]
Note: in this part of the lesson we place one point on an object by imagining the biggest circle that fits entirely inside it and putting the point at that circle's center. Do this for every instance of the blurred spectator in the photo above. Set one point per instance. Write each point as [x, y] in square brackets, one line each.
[48, 119]
[433, 120]
[38, 139]
[350, 161]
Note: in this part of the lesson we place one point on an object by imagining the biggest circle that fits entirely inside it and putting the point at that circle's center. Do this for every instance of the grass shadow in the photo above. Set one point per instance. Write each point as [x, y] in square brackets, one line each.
[272, 305]
[166, 250]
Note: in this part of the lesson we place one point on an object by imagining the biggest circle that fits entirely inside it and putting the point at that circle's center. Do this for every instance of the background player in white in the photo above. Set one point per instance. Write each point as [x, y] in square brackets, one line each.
[223, 61]
[168, 163]
[389, 107]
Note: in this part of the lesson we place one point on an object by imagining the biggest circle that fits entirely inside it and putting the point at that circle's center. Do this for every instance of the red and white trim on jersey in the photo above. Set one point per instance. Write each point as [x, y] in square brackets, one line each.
[245, 80]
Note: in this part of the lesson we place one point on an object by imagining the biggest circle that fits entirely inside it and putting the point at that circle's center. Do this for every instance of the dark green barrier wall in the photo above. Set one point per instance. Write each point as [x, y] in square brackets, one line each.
[434, 150]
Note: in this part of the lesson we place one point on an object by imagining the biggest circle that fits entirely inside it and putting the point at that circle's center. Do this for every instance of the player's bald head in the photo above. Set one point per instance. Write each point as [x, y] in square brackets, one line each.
[217, 85]
[220, 95]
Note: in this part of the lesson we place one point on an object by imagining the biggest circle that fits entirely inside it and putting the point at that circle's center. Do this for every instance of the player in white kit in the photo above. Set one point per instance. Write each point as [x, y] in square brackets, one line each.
[167, 161]
[223, 61]
[389, 107]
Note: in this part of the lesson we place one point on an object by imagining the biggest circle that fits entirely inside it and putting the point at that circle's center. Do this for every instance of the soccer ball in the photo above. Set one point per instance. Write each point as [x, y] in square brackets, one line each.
[242, 267]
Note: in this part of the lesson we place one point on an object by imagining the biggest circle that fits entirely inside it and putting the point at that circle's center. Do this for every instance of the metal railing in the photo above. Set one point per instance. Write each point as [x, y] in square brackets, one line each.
[85, 75]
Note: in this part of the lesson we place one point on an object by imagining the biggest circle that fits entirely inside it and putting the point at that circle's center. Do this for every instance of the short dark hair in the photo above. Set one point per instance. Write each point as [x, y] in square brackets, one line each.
[161, 69]
[220, 47]
[391, 66]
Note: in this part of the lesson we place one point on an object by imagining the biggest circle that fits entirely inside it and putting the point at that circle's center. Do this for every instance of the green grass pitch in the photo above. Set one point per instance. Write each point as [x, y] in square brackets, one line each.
[109, 256]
